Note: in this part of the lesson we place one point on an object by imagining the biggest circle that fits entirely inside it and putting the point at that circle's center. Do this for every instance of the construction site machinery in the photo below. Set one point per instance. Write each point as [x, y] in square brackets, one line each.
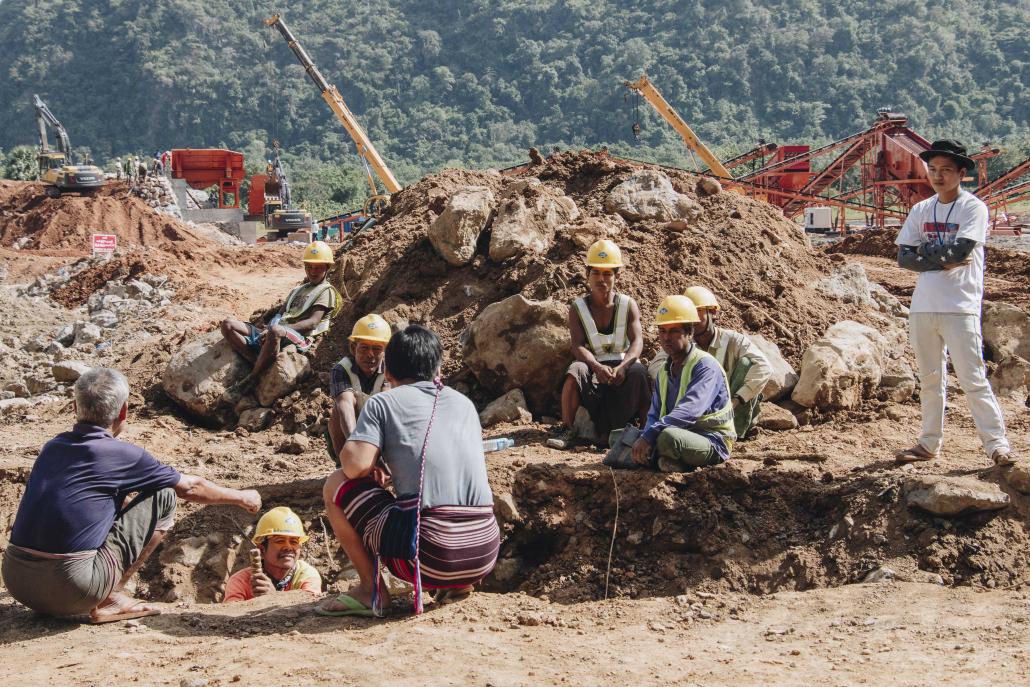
[279, 214]
[57, 169]
[645, 88]
[204, 168]
[367, 153]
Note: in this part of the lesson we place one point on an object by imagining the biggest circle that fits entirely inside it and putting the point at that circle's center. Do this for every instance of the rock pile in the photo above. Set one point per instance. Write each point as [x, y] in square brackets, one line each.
[156, 191]
[491, 262]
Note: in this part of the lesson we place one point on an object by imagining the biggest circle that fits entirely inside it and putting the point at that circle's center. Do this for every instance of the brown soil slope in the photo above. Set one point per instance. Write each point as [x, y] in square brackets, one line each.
[756, 262]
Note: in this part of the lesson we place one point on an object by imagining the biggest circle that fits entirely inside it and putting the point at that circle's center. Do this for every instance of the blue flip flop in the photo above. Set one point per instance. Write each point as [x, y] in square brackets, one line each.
[353, 607]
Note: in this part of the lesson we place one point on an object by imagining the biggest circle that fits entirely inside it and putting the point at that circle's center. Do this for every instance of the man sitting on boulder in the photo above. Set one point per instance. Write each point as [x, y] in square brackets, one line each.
[77, 537]
[355, 378]
[305, 314]
[745, 365]
[279, 537]
[690, 423]
[606, 377]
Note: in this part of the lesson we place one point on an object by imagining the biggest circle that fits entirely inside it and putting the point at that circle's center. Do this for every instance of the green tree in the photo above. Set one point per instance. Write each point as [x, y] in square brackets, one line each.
[20, 164]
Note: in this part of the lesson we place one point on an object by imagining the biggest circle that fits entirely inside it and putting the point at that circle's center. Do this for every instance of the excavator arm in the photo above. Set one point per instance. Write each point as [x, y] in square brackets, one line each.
[366, 151]
[45, 118]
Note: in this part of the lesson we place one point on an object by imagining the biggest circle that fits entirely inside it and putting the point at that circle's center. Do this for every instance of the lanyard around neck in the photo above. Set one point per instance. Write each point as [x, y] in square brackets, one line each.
[947, 218]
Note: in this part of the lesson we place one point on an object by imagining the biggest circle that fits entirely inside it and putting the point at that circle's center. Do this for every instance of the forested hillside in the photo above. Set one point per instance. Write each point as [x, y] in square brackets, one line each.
[476, 82]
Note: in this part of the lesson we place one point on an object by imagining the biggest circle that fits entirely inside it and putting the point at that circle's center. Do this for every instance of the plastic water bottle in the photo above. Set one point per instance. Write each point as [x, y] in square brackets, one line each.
[497, 444]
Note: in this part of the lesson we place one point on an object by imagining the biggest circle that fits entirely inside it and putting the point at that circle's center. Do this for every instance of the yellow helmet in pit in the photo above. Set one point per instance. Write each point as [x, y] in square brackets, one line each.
[676, 310]
[371, 329]
[604, 254]
[702, 297]
[319, 252]
[279, 521]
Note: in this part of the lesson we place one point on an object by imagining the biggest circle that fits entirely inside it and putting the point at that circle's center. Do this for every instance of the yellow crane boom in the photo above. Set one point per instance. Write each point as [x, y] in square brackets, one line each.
[366, 151]
[644, 87]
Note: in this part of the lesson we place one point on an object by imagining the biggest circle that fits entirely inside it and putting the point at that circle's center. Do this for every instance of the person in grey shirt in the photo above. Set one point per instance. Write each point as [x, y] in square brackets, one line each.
[459, 537]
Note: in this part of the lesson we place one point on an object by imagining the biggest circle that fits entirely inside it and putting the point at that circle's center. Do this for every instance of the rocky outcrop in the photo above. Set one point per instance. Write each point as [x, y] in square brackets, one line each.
[455, 232]
[841, 368]
[197, 377]
[648, 195]
[520, 344]
[528, 218]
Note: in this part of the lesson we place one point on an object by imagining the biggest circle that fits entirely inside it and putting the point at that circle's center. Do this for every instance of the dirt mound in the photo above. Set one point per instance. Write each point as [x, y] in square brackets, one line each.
[878, 243]
[761, 531]
[755, 261]
[32, 220]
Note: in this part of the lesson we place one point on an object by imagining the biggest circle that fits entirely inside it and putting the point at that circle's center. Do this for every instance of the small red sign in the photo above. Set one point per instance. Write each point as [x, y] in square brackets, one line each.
[104, 244]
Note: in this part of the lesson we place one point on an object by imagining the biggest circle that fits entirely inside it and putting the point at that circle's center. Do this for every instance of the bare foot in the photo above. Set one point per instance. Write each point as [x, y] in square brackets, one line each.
[120, 606]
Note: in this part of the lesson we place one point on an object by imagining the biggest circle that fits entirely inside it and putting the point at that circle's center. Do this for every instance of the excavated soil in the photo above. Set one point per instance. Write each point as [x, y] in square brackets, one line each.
[757, 263]
[67, 222]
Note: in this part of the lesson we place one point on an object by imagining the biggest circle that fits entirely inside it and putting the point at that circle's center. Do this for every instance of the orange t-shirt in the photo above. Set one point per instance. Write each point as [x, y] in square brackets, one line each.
[305, 577]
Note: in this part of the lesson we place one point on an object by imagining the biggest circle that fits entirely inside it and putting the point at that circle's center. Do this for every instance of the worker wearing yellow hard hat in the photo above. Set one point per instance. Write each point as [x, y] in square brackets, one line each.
[306, 313]
[747, 367]
[355, 378]
[276, 565]
[690, 422]
[606, 379]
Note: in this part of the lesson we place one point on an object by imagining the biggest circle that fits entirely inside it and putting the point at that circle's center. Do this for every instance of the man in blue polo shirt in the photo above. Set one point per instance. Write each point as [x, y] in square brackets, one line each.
[77, 540]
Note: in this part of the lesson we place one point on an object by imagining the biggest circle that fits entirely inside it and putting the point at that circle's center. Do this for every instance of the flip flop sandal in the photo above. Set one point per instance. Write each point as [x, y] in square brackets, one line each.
[1003, 458]
[916, 454]
[125, 615]
[352, 607]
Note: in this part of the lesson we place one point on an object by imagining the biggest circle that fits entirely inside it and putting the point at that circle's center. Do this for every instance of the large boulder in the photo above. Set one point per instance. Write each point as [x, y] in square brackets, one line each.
[1006, 331]
[290, 368]
[198, 375]
[848, 283]
[783, 378]
[951, 496]
[527, 219]
[1011, 379]
[1018, 477]
[508, 408]
[648, 195]
[455, 232]
[587, 230]
[520, 344]
[841, 368]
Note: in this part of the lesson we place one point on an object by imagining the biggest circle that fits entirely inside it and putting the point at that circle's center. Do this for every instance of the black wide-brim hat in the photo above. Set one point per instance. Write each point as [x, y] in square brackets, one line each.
[949, 148]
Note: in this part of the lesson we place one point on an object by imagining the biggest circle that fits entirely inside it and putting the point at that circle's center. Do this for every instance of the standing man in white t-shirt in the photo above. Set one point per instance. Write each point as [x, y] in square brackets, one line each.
[943, 239]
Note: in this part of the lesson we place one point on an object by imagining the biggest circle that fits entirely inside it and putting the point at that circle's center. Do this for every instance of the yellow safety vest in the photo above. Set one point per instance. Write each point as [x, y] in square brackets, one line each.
[348, 366]
[606, 347]
[720, 421]
[334, 307]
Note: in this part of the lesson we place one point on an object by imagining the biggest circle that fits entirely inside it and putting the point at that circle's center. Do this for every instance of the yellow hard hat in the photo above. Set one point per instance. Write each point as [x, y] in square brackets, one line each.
[319, 252]
[702, 297]
[676, 310]
[371, 329]
[604, 253]
[280, 520]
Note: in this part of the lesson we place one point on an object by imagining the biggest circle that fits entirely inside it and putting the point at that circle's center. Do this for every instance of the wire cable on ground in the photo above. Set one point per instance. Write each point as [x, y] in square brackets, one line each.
[615, 528]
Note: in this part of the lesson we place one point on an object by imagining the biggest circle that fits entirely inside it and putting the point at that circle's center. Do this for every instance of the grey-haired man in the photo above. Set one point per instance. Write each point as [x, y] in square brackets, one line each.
[77, 540]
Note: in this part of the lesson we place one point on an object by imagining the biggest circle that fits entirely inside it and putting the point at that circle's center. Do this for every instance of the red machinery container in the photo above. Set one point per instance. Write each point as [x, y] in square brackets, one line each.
[207, 167]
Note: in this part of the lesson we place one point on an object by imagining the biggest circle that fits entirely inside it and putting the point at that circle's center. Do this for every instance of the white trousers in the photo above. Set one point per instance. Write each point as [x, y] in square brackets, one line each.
[934, 336]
